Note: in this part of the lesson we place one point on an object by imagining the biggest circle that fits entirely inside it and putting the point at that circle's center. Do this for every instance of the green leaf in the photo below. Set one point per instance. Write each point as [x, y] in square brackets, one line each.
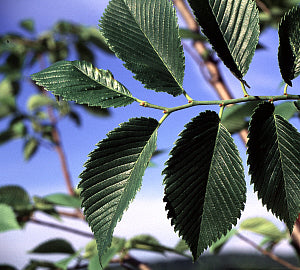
[145, 35]
[218, 245]
[273, 156]
[181, 246]
[81, 82]
[286, 109]
[8, 219]
[289, 45]
[232, 27]
[189, 34]
[64, 263]
[235, 117]
[14, 196]
[7, 267]
[145, 242]
[63, 200]
[205, 187]
[28, 25]
[35, 102]
[30, 148]
[113, 175]
[54, 246]
[262, 226]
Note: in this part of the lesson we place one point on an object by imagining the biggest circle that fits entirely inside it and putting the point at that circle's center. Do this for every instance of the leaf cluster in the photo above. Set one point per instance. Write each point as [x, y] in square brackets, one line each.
[205, 189]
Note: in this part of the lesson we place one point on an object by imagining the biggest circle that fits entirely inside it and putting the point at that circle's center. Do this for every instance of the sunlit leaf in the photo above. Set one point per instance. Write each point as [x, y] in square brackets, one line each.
[144, 34]
[81, 82]
[8, 219]
[232, 27]
[113, 175]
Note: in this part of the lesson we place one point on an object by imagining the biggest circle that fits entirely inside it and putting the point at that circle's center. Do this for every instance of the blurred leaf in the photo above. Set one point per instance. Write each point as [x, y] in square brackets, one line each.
[63, 200]
[218, 245]
[116, 246]
[181, 246]
[44, 206]
[262, 226]
[30, 148]
[63, 264]
[96, 110]
[94, 263]
[28, 25]
[14, 196]
[189, 34]
[54, 246]
[35, 102]
[90, 249]
[97, 39]
[75, 117]
[235, 117]
[286, 109]
[7, 267]
[8, 219]
[84, 52]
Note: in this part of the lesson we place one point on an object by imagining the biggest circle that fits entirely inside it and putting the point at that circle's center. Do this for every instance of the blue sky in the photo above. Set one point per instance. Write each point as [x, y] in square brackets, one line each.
[42, 175]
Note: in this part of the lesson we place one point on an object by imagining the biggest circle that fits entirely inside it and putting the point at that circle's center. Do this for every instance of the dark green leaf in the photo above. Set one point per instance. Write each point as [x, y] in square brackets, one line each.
[14, 196]
[289, 45]
[54, 246]
[8, 219]
[113, 175]
[7, 267]
[83, 83]
[218, 245]
[235, 117]
[84, 52]
[63, 200]
[74, 116]
[30, 148]
[273, 149]
[144, 34]
[205, 187]
[262, 226]
[28, 25]
[232, 27]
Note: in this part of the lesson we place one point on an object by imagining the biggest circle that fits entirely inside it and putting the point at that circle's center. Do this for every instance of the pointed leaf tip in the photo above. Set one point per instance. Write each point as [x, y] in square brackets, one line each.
[145, 35]
[274, 163]
[232, 27]
[204, 183]
[289, 45]
[83, 83]
[113, 175]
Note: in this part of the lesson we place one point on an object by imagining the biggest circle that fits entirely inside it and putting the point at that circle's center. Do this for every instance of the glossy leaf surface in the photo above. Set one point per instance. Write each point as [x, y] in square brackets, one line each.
[145, 35]
[273, 156]
[83, 83]
[113, 175]
[289, 45]
[232, 27]
[205, 187]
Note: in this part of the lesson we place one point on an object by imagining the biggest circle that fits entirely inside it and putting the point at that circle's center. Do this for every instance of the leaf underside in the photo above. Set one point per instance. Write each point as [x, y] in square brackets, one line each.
[83, 83]
[232, 27]
[205, 187]
[113, 175]
[145, 35]
[273, 156]
[289, 45]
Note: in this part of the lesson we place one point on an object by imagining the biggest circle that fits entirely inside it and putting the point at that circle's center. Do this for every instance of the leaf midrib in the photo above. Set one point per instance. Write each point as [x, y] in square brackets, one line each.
[165, 65]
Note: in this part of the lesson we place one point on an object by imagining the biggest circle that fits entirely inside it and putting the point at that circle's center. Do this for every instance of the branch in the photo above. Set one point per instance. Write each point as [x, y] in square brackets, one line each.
[61, 227]
[267, 253]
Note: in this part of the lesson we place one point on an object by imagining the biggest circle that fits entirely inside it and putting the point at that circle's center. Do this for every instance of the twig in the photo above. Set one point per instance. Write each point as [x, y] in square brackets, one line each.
[61, 227]
[263, 7]
[267, 253]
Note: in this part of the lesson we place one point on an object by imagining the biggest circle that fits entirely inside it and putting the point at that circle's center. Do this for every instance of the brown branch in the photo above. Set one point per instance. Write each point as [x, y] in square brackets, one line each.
[61, 227]
[263, 7]
[267, 253]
